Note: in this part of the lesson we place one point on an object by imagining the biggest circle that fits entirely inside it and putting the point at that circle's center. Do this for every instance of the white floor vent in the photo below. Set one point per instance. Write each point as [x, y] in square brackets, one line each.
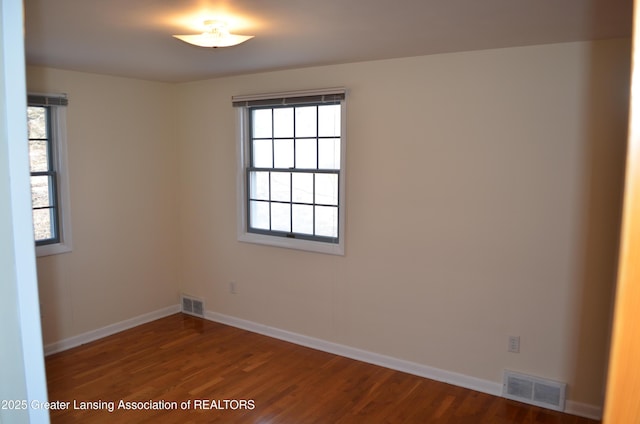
[535, 391]
[192, 305]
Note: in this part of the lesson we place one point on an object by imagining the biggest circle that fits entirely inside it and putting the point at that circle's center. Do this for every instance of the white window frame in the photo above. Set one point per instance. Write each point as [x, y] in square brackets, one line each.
[243, 158]
[58, 125]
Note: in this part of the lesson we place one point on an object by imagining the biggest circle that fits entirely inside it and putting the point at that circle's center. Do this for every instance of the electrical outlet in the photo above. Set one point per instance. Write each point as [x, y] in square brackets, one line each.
[514, 344]
[233, 288]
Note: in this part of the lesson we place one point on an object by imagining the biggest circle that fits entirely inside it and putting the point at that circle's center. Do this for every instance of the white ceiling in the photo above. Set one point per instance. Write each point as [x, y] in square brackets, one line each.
[133, 37]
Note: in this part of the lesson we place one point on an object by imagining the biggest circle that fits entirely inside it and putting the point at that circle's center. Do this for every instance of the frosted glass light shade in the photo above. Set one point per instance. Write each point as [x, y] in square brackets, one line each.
[216, 35]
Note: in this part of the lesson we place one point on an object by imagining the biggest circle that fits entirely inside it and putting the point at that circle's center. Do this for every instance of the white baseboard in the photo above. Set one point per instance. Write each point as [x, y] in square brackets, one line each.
[93, 335]
[456, 379]
[432, 373]
[583, 410]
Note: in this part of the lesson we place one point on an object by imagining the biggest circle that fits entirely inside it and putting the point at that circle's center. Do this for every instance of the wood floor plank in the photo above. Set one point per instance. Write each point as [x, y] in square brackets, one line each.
[186, 359]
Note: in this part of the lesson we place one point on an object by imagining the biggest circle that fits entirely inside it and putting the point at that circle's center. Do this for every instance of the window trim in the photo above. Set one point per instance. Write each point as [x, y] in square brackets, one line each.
[243, 158]
[58, 117]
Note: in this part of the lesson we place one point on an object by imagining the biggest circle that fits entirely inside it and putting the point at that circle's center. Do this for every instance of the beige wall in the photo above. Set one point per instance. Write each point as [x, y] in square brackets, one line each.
[483, 199]
[483, 194]
[121, 153]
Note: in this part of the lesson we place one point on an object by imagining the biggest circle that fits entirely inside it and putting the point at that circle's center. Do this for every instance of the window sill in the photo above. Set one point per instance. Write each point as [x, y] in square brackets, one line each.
[52, 249]
[287, 243]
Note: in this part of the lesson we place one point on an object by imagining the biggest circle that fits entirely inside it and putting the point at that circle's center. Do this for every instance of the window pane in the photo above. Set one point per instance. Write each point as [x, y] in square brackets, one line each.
[327, 221]
[42, 224]
[327, 189]
[306, 121]
[294, 170]
[259, 215]
[40, 191]
[259, 183]
[261, 123]
[302, 219]
[283, 122]
[37, 121]
[283, 153]
[329, 153]
[281, 186]
[262, 154]
[302, 188]
[306, 153]
[38, 155]
[329, 121]
[280, 217]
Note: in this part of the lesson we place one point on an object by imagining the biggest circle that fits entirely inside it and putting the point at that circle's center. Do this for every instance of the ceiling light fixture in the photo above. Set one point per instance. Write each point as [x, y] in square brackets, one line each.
[216, 35]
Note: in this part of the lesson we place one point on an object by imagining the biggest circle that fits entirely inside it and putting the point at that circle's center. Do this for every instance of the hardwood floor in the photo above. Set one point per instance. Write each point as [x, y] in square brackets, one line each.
[212, 373]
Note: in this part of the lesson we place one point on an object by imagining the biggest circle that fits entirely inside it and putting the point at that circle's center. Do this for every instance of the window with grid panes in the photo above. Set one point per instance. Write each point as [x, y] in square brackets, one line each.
[293, 169]
[46, 159]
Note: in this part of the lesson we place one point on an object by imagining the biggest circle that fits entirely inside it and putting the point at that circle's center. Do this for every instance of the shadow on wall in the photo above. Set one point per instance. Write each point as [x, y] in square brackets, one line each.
[606, 117]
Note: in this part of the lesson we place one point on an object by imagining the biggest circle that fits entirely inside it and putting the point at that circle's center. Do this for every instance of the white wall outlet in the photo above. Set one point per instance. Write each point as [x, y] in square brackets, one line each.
[233, 287]
[514, 344]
